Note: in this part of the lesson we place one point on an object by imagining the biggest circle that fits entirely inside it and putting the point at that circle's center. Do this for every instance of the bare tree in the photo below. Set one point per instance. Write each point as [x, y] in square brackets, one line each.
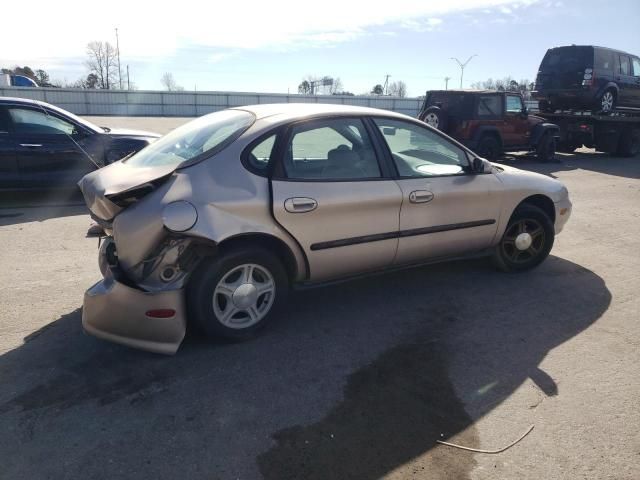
[320, 85]
[398, 89]
[103, 64]
[169, 83]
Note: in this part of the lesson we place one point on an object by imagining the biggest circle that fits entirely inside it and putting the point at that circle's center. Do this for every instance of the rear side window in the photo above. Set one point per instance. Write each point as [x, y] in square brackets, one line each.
[489, 105]
[603, 60]
[336, 149]
[625, 65]
[260, 155]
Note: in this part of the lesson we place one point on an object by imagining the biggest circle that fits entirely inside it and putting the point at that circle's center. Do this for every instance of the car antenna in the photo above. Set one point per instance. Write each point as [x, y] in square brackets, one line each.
[71, 138]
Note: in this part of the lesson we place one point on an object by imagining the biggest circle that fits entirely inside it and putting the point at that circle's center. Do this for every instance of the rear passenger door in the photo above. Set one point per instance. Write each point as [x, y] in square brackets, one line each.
[330, 192]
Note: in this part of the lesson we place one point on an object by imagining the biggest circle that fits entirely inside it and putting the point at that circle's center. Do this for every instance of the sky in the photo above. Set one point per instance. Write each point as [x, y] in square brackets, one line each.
[271, 46]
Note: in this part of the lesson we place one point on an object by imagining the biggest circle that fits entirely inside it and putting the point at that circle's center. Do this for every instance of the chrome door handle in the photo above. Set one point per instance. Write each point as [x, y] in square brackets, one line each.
[421, 196]
[300, 204]
[31, 145]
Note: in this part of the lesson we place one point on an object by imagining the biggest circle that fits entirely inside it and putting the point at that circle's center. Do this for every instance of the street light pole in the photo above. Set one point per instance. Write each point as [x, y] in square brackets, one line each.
[462, 65]
[118, 51]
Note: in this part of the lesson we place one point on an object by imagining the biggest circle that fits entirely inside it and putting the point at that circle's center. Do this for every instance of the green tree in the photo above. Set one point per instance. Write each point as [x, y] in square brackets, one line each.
[377, 90]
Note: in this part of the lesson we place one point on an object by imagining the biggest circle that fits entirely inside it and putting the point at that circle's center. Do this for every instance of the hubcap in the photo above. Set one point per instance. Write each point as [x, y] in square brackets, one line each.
[607, 101]
[432, 120]
[523, 241]
[244, 296]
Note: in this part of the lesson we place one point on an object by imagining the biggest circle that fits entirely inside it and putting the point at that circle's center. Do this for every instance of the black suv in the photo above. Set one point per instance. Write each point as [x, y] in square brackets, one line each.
[588, 78]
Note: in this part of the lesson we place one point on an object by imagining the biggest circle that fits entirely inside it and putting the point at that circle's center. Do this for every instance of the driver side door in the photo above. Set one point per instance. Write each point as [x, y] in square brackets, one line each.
[447, 210]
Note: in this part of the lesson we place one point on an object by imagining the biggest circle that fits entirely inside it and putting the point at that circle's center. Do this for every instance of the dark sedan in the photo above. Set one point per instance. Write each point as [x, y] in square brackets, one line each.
[43, 146]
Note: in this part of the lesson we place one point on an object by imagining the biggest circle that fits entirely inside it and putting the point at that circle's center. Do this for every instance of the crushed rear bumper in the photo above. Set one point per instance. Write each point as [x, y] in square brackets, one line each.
[115, 312]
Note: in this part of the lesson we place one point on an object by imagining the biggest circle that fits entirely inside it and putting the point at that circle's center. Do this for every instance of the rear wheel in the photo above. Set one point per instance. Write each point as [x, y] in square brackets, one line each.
[234, 295]
[546, 149]
[607, 102]
[489, 147]
[527, 240]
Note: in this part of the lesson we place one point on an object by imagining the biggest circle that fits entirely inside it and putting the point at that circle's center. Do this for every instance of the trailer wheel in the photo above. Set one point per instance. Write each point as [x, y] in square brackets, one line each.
[629, 143]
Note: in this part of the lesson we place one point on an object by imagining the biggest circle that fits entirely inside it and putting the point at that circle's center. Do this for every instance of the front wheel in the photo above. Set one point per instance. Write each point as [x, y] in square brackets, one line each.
[234, 295]
[527, 240]
[546, 149]
[489, 147]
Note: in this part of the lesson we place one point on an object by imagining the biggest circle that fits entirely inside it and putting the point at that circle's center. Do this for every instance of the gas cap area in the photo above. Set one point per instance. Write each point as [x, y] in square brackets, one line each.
[179, 216]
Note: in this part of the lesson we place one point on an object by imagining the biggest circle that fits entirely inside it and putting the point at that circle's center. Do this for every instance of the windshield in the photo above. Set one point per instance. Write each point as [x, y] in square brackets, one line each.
[205, 135]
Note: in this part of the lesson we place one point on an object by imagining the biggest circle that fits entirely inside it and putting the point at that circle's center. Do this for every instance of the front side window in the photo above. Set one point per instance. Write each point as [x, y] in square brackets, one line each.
[194, 140]
[636, 67]
[419, 152]
[336, 149]
[514, 104]
[625, 66]
[27, 121]
[489, 105]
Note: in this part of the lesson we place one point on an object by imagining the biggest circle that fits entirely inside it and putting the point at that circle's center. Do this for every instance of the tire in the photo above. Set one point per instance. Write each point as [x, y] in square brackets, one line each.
[545, 106]
[218, 288]
[509, 256]
[607, 102]
[629, 143]
[546, 149]
[489, 147]
[435, 117]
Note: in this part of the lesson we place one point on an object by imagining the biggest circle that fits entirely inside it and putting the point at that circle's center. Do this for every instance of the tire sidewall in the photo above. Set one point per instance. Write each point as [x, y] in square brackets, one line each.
[489, 140]
[546, 150]
[203, 283]
[442, 118]
[522, 212]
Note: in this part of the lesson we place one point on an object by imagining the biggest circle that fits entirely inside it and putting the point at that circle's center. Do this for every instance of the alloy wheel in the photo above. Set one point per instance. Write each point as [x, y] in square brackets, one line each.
[523, 241]
[244, 296]
[607, 101]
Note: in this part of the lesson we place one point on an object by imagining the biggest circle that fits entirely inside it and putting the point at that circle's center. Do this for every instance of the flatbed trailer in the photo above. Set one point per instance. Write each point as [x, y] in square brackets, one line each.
[616, 134]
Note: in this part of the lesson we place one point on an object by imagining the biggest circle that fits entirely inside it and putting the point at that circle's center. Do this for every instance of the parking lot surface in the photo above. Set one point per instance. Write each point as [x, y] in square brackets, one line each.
[357, 380]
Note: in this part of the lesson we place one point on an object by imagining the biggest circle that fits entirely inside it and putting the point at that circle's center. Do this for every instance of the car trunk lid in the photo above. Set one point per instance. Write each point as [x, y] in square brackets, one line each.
[111, 189]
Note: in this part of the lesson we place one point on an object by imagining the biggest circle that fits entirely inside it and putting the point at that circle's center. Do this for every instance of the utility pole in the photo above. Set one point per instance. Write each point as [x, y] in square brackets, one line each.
[462, 65]
[386, 84]
[128, 83]
[446, 82]
[118, 52]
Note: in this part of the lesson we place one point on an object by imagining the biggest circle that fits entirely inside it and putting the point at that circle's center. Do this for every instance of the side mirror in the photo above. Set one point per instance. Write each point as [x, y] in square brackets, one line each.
[480, 165]
[525, 112]
[389, 131]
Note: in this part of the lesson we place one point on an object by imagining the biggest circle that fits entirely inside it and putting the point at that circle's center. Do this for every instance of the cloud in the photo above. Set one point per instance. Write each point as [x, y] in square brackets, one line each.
[148, 31]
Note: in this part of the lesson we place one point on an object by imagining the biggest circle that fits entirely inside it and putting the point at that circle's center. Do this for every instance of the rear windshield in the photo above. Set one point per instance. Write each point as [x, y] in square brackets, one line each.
[195, 140]
[567, 59]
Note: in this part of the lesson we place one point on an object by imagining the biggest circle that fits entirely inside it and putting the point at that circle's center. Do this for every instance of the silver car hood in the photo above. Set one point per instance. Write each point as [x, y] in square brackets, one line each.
[119, 177]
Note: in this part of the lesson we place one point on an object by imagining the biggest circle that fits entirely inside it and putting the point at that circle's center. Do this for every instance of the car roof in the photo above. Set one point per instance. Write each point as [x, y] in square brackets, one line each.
[594, 46]
[302, 110]
[467, 91]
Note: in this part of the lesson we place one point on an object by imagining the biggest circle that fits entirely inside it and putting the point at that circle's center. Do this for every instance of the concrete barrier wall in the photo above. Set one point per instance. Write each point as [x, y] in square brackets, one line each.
[188, 104]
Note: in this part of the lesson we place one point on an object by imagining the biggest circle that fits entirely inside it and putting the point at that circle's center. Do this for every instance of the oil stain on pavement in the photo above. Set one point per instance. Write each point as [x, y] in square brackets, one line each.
[393, 411]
